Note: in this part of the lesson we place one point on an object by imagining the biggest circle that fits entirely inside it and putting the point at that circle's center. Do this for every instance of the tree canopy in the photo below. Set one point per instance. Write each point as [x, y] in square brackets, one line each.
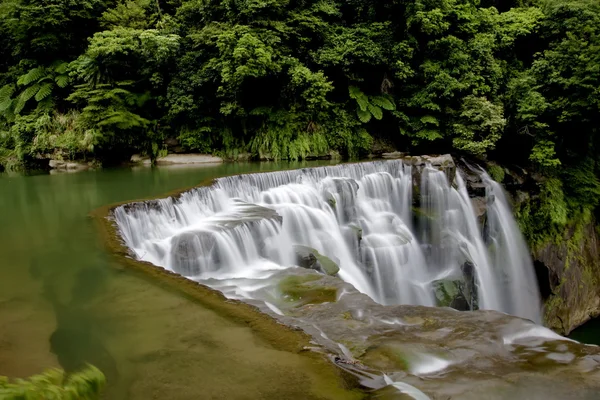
[509, 80]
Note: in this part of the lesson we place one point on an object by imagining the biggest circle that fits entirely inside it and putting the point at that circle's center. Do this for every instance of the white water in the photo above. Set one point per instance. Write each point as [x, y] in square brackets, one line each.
[359, 215]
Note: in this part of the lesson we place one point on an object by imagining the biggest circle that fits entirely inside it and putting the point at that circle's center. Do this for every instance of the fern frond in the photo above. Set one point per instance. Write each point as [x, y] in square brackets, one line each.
[62, 80]
[430, 119]
[5, 105]
[45, 91]
[429, 134]
[354, 92]
[260, 111]
[61, 68]
[363, 115]
[33, 75]
[383, 102]
[19, 105]
[376, 111]
[6, 92]
[29, 92]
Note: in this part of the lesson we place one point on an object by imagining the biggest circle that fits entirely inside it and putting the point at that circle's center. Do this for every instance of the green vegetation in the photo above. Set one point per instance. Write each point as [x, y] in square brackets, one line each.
[55, 384]
[297, 290]
[510, 80]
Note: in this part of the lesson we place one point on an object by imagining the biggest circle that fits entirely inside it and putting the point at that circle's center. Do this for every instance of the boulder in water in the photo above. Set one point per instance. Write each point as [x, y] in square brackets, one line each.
[310, 258]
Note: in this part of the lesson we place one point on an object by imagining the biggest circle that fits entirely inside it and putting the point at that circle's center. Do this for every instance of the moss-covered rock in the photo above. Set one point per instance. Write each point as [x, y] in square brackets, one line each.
[296, 289]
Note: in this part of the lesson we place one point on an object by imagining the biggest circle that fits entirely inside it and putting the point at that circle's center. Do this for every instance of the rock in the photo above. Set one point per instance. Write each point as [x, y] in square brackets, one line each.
[328, 266]
[381, 146]
[394, 155]
[446, 291]
[188, 159]
[330, 155]
[137, 158]
[68, 165]
[306, 255]
[441, 352]
[572, 277]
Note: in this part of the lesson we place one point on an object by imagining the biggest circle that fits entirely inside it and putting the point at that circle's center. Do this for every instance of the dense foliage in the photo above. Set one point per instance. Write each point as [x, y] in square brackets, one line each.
[511, 80]
[55, 384]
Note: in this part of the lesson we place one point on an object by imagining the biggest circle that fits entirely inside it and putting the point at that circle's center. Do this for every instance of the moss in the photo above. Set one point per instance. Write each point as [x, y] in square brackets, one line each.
[295, 289]
[496, 172]
[347, 315]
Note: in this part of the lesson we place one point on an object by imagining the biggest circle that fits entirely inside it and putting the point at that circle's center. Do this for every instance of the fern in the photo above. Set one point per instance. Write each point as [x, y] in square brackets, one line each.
[33, 75]
[6, 93]
[29, 92]
[383, 102]
[363, 115]
[44, 91]
[429, 119]
[429, 134]
[360, 97]
[376, 111]
[61, 68]
[62, 80]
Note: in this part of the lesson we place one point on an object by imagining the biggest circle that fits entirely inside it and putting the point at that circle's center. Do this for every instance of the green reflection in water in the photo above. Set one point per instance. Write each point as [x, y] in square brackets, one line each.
[62, 304]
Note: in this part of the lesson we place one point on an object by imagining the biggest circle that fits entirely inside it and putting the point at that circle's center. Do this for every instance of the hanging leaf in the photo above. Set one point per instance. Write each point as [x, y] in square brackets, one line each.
[29, 92]
[363, 115]
[61, 68]
[45, 91]
[429, 119]
[19, 105]
[429, 134]
[360, 97]
[383, 102]
[6, 92]
[62, 80]
[376, 111]
[32, 76]
[5, 105]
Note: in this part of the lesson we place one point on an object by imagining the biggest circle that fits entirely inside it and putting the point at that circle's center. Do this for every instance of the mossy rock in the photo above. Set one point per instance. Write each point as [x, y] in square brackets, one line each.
[296, 289]
[324, 263]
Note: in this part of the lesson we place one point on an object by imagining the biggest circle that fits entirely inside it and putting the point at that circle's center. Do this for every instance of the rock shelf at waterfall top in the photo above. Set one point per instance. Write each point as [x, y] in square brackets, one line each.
[358, 255]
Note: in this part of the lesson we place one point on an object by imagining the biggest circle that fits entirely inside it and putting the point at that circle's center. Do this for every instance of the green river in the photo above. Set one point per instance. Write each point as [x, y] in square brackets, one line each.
[64, 301]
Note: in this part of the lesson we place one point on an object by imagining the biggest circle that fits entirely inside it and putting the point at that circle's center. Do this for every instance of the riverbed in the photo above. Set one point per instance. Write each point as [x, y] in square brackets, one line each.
[65, 301]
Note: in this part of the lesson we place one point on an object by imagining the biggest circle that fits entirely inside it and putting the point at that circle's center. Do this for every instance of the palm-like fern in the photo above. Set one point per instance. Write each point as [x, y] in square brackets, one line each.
[370, 106]
[38, 83]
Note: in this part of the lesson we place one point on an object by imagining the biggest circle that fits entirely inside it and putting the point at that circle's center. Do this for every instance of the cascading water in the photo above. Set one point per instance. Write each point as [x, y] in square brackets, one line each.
[358, 215]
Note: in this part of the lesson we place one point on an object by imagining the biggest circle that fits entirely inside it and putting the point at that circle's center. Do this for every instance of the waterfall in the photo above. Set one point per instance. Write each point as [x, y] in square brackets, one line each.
[363, 217]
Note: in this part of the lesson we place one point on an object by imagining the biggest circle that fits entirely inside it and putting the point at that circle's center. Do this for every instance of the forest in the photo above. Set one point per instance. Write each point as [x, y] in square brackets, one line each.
[512, 81]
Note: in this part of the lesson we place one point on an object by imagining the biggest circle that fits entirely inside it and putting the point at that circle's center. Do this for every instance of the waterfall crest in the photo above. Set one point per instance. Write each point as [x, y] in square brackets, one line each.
[394, 245]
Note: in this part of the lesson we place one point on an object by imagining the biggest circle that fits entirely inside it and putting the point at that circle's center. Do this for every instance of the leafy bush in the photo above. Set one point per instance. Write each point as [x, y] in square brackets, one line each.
[55, 384]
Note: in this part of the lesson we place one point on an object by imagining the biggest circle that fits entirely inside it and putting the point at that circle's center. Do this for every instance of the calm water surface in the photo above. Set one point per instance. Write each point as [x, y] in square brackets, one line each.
[63, 304]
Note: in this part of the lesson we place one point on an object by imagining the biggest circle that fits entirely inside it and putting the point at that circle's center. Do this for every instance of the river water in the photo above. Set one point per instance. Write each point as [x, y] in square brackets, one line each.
[64, 301]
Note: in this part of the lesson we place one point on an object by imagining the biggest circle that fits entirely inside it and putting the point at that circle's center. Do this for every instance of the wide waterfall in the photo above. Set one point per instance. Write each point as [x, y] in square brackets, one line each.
[396, 246]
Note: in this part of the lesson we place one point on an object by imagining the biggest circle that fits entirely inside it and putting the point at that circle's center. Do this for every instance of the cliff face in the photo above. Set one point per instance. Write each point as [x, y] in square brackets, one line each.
[569, 276]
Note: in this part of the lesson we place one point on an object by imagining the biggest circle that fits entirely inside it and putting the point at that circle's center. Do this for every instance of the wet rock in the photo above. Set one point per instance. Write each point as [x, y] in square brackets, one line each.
[394, 155]
[306, 255]
[68, 165]
[442, 352]
[572, 279]
[446, 291]
[188, 159]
